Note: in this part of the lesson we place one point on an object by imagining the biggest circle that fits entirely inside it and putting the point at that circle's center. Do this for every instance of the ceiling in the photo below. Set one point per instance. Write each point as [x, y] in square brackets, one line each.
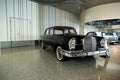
[75, 6]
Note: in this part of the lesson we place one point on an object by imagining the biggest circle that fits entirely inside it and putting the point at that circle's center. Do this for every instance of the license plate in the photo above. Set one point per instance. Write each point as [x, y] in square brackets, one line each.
[93, 53]
[90, 53]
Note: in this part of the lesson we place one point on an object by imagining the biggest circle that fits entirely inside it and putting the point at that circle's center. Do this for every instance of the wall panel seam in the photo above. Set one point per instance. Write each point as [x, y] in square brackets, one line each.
[6, 18]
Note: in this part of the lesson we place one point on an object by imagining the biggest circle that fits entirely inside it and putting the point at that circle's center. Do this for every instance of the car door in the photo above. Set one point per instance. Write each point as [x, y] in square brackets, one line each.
[50, 38]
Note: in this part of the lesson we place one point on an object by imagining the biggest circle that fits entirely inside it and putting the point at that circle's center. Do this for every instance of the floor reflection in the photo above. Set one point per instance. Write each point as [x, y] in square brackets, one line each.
[34, 63]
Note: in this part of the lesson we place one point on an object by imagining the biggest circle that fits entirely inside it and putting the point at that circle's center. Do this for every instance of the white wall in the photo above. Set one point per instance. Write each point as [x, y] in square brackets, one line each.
[85, 28]
[14, 15]
[81, 22]
[51, 16]
[26, 20]
[89, 29]
[102, 12]
[3, 18]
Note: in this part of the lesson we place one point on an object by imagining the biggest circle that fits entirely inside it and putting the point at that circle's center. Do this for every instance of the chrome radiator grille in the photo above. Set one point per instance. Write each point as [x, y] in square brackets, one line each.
[89, 43]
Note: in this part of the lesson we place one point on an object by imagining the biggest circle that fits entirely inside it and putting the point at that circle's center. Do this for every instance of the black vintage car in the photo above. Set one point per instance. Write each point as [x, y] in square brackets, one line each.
[67, 43]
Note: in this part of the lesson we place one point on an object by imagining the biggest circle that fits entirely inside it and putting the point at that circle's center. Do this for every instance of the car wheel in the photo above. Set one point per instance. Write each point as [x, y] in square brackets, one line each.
[112, 43]
[59, 54]
[42, 45]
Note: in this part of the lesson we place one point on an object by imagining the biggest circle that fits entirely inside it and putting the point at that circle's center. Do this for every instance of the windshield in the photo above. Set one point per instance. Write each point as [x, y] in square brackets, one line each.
[99, 33]
[118, 33]
[109, 34]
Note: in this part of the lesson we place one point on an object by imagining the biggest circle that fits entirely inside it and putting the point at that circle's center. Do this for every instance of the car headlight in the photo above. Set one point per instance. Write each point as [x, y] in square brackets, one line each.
[72, 43]
[102, 42]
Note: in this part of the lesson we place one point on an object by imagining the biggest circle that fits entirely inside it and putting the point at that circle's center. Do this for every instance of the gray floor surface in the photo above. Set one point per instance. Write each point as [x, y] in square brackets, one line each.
[34, 63]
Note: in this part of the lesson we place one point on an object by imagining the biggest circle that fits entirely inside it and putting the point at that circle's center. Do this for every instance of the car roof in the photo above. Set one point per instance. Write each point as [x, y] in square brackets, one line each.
[61, 27]
[96, 31]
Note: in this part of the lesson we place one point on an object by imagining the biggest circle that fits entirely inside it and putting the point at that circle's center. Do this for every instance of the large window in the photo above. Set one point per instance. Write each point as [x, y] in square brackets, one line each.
[47, 32]
[109, 33]
[51, 31]
[72, 31]
[58, 32]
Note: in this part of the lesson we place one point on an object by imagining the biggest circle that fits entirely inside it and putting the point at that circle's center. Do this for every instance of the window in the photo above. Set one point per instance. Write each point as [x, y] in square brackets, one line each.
[72, 31]
[99, 33]
[69, 31]
[118, 33]
[47, 32]
[109, 33]
[51, 31]
[58, 32]
[66, 31]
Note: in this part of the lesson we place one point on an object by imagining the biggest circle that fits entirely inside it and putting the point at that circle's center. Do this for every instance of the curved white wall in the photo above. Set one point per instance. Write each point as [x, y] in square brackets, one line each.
[102, 12]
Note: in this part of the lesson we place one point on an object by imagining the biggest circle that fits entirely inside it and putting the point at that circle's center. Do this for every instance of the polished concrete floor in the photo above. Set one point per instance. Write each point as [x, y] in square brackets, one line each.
[34, 63]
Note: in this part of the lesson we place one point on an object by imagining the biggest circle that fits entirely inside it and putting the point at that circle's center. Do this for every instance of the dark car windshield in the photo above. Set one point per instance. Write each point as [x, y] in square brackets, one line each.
[118, 33]
[65, 31]
[109, 33]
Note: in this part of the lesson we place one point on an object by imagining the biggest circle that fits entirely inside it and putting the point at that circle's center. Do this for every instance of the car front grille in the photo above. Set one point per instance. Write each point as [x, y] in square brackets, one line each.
[113, 38]
[89, 43]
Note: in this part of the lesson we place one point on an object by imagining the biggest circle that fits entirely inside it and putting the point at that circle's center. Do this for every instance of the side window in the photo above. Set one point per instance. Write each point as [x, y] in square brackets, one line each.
[51, 31]
[66, 31]
[47, 32]
[72, 31]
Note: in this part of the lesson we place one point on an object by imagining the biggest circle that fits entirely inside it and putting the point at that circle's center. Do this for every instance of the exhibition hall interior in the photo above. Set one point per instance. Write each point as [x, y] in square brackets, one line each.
[59, 39]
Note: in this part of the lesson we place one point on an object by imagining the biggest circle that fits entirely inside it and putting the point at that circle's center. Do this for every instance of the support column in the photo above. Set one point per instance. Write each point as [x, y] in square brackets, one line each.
[82, 17]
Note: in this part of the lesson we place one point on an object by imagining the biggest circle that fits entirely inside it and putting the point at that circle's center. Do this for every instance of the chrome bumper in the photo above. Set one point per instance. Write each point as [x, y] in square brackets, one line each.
[113, 41]
[81, 53]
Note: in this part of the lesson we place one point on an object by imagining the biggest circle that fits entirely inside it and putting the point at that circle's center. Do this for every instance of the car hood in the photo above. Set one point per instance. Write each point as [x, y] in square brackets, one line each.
[78, 37]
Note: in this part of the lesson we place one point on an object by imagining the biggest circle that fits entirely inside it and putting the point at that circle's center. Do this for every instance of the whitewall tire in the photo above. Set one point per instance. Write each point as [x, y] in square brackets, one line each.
[59, 53]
